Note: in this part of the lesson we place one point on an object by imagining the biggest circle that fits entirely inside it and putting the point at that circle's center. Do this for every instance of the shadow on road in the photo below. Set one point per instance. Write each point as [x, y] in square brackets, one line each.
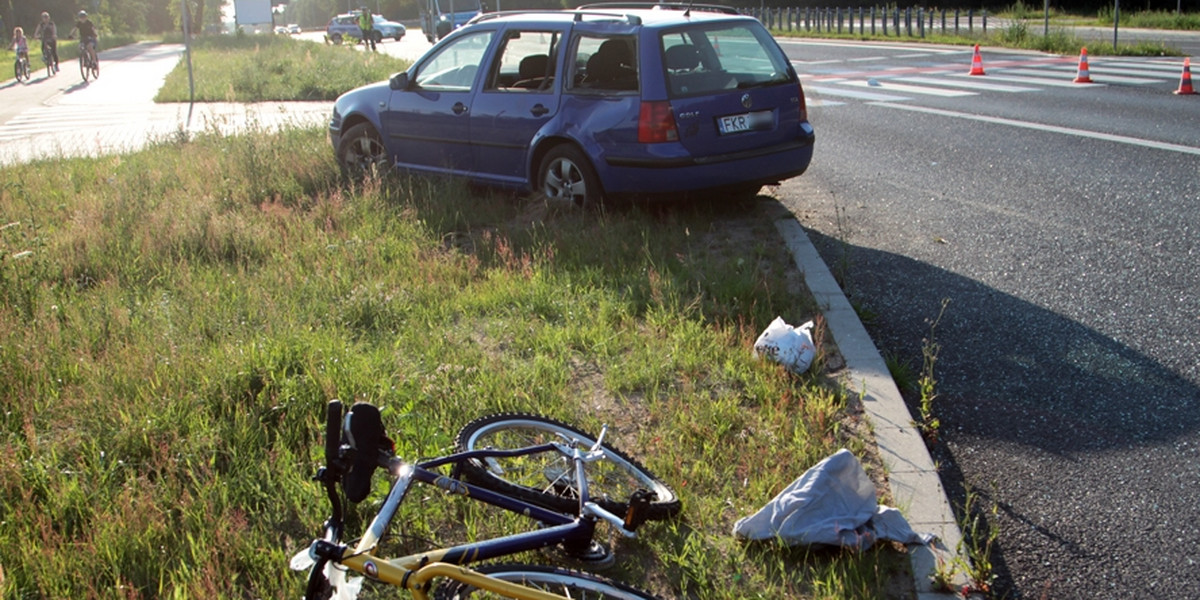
[1011, 373]
[1016, 371]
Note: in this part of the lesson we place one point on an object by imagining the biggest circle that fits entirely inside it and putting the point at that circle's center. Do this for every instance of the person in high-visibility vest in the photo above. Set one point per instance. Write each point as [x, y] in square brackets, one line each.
[367, 24]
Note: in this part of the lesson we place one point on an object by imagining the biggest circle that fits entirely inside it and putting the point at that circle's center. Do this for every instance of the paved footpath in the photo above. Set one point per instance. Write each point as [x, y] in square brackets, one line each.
[64, 116]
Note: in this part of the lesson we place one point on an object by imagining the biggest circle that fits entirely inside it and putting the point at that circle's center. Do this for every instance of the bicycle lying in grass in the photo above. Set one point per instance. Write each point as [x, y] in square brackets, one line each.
[564, 480]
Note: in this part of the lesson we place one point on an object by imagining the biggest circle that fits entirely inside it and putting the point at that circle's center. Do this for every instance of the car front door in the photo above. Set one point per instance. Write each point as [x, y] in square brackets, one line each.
[518, 96]
[428, 122]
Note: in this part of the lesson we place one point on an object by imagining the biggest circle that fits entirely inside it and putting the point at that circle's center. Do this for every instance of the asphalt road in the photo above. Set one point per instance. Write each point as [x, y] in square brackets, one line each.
[1061, 222]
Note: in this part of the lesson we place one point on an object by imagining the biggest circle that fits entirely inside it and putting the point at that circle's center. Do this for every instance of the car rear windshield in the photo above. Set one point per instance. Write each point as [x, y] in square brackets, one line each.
[725, 56]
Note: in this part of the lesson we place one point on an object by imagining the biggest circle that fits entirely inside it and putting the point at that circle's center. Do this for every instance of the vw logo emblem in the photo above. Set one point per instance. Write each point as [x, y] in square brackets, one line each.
[746, 100]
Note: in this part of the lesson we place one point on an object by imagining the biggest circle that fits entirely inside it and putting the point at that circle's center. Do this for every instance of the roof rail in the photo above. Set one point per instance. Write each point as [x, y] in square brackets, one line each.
[684, 6]
[578, 14]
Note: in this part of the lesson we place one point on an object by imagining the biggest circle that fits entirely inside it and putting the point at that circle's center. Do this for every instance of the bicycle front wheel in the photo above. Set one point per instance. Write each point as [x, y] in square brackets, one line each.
[570, 584]
[547, 478]
[84, 70]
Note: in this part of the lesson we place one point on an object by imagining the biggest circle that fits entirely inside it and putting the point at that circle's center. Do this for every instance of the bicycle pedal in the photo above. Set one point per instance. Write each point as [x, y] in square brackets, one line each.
[595, 557]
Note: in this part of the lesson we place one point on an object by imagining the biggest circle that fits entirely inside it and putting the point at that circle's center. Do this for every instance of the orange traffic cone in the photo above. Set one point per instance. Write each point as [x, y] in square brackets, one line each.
[976, 63]
[1185, 82]
[1083, 76]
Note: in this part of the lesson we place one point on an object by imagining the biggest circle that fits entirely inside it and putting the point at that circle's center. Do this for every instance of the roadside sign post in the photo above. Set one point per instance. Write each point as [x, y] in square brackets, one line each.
[1116, 21]
[187, 50]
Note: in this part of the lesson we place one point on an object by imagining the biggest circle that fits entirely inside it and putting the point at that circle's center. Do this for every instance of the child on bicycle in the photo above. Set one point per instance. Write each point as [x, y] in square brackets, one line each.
[20, 44]
[87, 33]
[48, 33]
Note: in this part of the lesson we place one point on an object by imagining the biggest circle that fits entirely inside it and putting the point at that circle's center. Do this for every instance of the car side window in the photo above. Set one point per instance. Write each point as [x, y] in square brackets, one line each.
[525, 62]
[455, 65]
[607, 64]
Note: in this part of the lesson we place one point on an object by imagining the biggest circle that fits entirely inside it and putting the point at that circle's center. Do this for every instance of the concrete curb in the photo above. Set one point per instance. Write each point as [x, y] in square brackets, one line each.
[915, 485]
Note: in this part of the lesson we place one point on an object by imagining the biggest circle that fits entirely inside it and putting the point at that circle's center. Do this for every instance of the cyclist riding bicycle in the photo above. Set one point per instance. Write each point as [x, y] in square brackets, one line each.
[48, 34]
[87, 33]
[20, 43]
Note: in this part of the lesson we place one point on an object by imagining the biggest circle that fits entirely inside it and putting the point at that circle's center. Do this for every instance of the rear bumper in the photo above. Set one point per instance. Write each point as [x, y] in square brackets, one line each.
[681, 174]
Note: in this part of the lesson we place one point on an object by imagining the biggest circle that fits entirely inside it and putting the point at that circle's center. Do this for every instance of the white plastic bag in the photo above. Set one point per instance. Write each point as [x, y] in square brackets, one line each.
[789, 346]
[832, 504]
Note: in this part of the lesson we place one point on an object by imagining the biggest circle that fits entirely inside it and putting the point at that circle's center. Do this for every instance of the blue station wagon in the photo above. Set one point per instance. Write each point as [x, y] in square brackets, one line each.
[600, 101]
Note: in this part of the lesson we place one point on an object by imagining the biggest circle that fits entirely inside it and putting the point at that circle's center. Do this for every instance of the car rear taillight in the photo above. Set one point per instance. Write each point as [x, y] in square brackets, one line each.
[656, 123]
[803, 103]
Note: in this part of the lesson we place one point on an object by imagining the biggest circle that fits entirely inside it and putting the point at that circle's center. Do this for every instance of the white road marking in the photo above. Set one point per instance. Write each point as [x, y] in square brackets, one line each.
[1108, 137]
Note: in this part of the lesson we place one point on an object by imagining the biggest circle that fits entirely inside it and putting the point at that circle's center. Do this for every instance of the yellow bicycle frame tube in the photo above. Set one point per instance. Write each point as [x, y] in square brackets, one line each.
[417, 582]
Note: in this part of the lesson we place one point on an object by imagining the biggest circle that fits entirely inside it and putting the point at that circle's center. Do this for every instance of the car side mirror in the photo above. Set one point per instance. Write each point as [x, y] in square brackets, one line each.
[399, 81]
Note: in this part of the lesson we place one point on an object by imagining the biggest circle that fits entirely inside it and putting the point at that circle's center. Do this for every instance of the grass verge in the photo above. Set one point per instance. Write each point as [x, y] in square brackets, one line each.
[255, 68]
[173, 322]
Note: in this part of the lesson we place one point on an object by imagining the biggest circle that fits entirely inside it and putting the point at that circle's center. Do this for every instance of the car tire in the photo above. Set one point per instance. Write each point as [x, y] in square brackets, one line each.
[361, 152]
[336, 39]
[566, 177]
[378, 37]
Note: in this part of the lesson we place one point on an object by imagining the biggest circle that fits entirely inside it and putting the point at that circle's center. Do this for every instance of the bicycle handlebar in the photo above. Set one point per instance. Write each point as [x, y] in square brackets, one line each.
[333, 432]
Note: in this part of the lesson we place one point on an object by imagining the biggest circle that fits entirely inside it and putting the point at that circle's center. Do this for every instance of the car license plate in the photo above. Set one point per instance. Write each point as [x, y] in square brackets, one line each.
[751, 121]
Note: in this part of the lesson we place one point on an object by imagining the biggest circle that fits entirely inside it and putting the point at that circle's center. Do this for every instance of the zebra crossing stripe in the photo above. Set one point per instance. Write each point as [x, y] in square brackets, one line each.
[973, 84]
[1043, 80]
[822, 90]
[811, 102]
[1107, 78]
[1137, 73]
[1147, 68]
[887, 85]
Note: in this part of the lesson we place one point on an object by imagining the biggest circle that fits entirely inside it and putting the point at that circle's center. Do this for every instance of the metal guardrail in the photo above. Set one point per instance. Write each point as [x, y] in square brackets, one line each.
[910, 22]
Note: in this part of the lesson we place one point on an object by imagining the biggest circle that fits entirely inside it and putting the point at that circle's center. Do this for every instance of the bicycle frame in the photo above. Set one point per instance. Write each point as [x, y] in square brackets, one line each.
[416, 572]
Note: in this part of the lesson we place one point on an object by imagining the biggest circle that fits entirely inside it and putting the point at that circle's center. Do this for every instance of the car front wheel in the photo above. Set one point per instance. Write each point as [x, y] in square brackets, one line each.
[566, 176]
[361, 152]
[336, 39]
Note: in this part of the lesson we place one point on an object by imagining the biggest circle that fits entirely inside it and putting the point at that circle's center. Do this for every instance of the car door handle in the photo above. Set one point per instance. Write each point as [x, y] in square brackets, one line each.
[459, 108]
[538, 110]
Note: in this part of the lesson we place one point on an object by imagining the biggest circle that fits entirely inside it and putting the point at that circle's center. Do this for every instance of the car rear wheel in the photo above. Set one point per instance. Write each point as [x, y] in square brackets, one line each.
[566, 176]
[336, 39]
[361, 152]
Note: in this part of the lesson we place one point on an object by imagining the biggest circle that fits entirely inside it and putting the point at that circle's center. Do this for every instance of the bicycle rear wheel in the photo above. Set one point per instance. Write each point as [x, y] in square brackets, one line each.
[546, 478]
[571, 584]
